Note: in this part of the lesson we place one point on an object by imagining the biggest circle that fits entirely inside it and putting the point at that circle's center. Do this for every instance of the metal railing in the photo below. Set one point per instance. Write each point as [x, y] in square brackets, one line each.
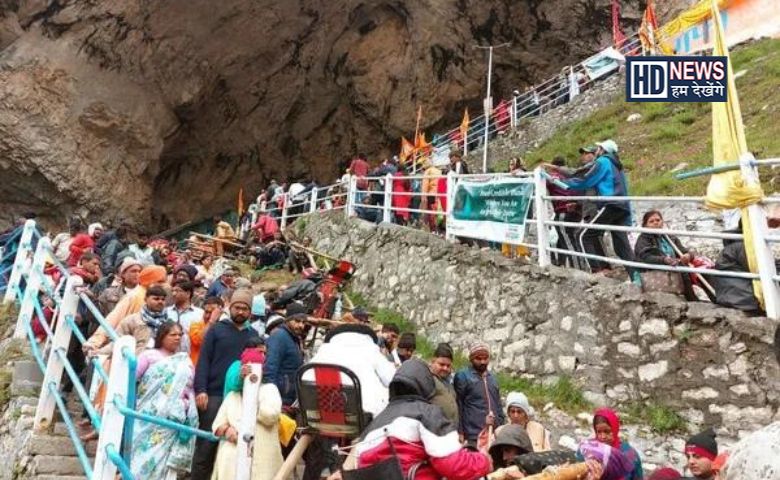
[115, 423]
[537, 100]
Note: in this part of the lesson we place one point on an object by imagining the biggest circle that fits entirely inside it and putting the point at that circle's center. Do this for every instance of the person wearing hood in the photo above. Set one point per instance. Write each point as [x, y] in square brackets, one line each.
[701, 451]
[354, 347]
[607, 176]
[606, 427]
[511, 441]
[519, 412]
[417, 432]
[735, 292]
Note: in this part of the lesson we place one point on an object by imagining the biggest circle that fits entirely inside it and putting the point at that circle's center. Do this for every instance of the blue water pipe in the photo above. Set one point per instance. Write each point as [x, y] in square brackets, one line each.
[121, 464]
[74, 437]
[94, 416]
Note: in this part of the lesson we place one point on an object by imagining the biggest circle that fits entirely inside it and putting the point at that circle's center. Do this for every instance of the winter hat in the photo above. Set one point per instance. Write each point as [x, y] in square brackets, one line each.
[295, 308]
[477, 349]
[152, 274]
[518, 399]
[511, 436]
[703, 444]
[665, 474]
[241, 295]
[92, 227]
[242, 282]
[192, 270]
[127, 262]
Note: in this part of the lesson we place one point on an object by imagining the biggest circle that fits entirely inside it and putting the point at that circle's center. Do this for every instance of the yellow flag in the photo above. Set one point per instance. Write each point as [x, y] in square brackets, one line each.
[464, 126]
[687, 19]
[731, 189]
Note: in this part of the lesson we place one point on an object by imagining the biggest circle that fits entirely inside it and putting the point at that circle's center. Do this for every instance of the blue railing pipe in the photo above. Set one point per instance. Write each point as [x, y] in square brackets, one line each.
[74, 437]
[94, 416]
[121, 464]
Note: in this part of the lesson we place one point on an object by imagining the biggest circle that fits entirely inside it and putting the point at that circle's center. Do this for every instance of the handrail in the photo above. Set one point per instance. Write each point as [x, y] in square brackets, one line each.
[93, 415]
[116, 459]
[164, 422]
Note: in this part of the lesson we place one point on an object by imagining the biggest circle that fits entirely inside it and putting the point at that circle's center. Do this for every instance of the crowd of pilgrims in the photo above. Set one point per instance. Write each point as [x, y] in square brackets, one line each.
[198, 326]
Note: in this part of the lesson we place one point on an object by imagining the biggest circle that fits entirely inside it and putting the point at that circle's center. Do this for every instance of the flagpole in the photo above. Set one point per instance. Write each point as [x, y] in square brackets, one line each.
[488, 107]
[416, 134]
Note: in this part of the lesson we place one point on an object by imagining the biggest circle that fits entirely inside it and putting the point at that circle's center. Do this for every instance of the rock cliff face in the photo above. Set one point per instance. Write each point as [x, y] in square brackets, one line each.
[158, 112]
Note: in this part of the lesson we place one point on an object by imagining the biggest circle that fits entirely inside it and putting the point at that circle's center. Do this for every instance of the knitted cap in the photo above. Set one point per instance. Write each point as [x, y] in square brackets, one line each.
[665, 474]
[518, 399]
[152, 274]
[242, 295]
[477, 349]
[703, 444]
[127, 262]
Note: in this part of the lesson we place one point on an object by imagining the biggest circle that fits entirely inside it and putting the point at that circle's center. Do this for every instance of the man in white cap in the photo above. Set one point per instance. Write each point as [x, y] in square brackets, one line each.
[113, 287]
[479, 399]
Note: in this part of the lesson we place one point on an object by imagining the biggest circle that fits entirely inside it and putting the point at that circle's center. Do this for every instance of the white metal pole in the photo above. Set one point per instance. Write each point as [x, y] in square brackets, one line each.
[451, 186]
[351, 196]
[20, 262]
[488, 108]
[34, 279]
[540, 209]
[62, 333]
[387, 213]
[248, 421]
[764, 256]
[285, 205]
[313, 200]
[112, 421]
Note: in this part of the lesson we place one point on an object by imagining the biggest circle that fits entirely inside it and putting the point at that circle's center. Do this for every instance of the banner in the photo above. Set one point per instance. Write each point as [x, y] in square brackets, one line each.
[494, 210]
[693, 30]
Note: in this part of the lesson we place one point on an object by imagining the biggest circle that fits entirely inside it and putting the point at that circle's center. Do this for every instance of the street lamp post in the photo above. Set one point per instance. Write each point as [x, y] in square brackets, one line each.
[488, 100]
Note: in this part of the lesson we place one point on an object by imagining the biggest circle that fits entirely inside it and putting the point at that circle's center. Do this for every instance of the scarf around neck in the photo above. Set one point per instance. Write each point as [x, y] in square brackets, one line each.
[152, 319]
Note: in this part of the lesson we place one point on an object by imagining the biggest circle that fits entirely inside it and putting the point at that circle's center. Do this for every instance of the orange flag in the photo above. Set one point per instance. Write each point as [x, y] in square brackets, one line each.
[464, 125]
[240, 202]
[420, 143]
[648, 28]
[407, 150]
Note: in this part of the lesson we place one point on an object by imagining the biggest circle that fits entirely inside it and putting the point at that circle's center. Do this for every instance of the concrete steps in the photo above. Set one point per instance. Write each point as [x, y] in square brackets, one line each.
[58, 466]
[56, 445]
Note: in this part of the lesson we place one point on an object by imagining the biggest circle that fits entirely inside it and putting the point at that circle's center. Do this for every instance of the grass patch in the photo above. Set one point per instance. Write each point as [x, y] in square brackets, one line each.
[672, 133]
[661, 419]
[564, 393]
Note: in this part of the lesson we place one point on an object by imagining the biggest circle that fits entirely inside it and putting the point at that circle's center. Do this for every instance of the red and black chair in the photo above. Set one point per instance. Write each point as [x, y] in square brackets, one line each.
[329, 406]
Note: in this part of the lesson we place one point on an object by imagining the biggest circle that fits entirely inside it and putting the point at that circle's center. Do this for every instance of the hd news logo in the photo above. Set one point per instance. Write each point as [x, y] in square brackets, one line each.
[676, 79]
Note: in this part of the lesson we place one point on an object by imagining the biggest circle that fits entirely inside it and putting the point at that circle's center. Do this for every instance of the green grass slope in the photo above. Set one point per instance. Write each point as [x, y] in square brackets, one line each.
[672, 133]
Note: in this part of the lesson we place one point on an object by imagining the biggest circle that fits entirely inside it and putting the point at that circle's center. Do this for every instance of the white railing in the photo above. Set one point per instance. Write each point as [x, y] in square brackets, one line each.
[539, 99]
[381, 209]
[115, 423]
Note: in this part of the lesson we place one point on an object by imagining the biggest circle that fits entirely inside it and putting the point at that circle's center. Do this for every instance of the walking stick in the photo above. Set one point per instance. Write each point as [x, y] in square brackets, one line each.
[699, 276]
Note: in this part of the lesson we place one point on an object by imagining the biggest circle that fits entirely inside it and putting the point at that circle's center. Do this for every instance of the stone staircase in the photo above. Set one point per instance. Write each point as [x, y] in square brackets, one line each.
[45, 455]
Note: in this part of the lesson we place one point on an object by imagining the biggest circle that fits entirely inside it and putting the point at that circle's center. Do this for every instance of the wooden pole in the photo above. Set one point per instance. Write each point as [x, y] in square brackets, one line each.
[314, 252]
[295, 456]
[217, 239]
[700, 277]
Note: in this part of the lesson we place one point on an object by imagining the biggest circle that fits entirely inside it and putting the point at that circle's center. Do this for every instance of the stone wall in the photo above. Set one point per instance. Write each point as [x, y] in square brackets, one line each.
[714, 365]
